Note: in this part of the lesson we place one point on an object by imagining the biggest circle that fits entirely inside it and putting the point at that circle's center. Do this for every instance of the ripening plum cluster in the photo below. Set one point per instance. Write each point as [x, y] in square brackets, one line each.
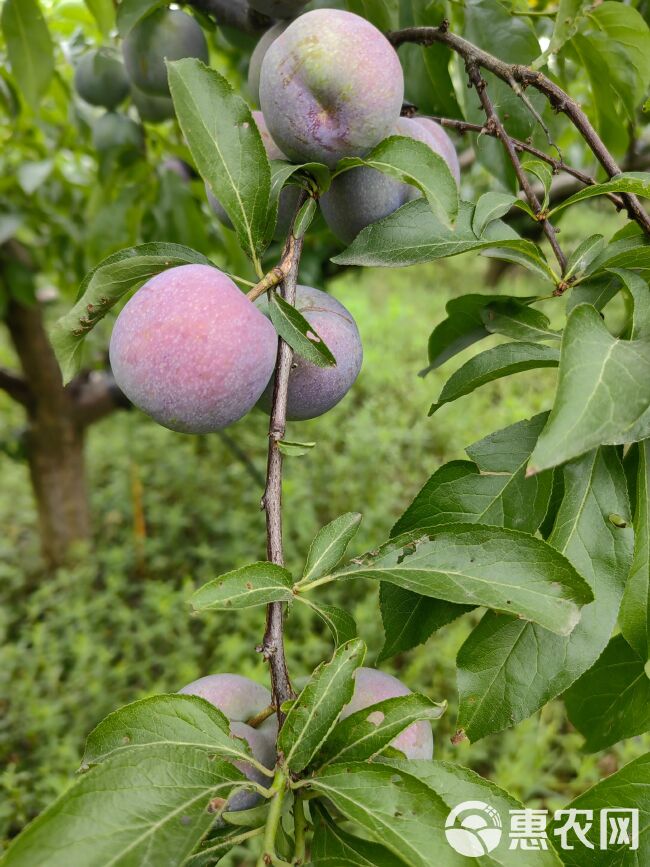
[189, 348]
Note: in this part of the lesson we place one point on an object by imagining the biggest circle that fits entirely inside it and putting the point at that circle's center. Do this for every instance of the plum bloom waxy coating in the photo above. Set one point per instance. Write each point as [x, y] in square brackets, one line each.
[314, 390]
[191, 350]
[372, 686]
[331, 86]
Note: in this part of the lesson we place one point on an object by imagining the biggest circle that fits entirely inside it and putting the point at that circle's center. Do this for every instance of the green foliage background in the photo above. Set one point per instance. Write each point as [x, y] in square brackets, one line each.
[79, 643]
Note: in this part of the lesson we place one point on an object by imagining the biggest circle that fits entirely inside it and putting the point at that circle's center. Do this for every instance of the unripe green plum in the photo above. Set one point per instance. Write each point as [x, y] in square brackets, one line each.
[314, 390]
[117, 132]
[191, 350]
[331, 86]
[372, 686]
[258, 55]
[363, 195]
[152, 109]
[277, 8]
[100, 78]
[288, 197]
[166, 34]
[241, 699]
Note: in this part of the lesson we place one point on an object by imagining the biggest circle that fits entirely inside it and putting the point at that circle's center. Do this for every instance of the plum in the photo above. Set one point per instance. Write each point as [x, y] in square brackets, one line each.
[117, 132]
[258, 55]
[100, 78]
[166, 34]
[152, 109]
[191, 350]
[241, 699]
[372, 686]
[314, 390]
[331, 86]
[363, 195]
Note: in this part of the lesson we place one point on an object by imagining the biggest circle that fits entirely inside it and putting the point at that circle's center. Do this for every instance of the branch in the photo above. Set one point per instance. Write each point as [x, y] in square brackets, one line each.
[15, 386]
[230, 13]
[494, 123]
[95, 395]
[273, 642]
[515, 75]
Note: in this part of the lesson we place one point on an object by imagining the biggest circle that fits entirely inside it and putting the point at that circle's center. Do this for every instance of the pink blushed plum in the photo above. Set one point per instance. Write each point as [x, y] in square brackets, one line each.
[191, 350]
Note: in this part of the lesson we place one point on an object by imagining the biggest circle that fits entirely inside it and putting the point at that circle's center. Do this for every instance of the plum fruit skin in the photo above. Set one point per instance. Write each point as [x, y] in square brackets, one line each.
[100, 79]
[288, 197]
[114, 131]
[166, 34]
[371, 687]
[314, 390]
[331, 86]
[191, 351]
[152, 109]
[363, 195]
[258, 55]
[240, 699]
[277, 8]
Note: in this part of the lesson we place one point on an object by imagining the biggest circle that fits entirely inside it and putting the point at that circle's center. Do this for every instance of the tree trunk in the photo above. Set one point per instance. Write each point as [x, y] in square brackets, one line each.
[54, 438]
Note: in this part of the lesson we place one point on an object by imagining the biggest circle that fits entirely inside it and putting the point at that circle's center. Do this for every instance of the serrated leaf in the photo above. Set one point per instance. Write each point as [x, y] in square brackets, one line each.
[413, 162]
[583, 255]
[294, 329]
[339, 622]
[227, 148]
[634, 618]
[214, 847]
[143, 806]
[412, 235]
[330, 544]
[256, 584]
[508, 669]
[181, 720]
[495, 363]
[333, 847]
[394, 808]
[518, 321]
[611, 701]
[104, 286]
[472, 564]
[637, 183]
[628, 789]
[491, 206]
[544, 175]
[318, 706]
[29, 46]
[367, 732]
[603, 393]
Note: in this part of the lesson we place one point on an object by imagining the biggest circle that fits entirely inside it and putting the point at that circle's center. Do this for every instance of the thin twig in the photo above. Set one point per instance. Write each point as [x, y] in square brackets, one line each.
[273, 642]
[277, 274]
[15, 386]
[507, 72]
[493, 122]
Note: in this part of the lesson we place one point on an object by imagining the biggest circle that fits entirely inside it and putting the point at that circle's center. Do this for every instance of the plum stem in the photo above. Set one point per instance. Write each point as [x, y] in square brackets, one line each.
[300, 826]
[277, 274]
[279, 789]
[273, 642]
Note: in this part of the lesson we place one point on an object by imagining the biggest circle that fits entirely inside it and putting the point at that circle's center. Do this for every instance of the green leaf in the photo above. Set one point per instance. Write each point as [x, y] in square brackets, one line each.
[367, 732]
[293, 449]
[637, 183]
[413, 162]
[330, 544]
[603, 393]
[103, 11]
[491, 206]
[294, 329]
[339, 622]
[456, 785]
[29, 46]
[143, 806]
[384, 14]
[227, 148]
[627, 789]
[463, 326]
[317, 708]
[638, 292]
[533, 261]
[333, 847]
[508, 669]
[256, 584]
[517, 321]
[412, 235]
[611, 701]
[393, 807]
[568, 18]
[314, 176]
[104, 286]
[627, 252]
[634, 618]
[473, 564]
[216, 845]
[543, 174]
[180, 720]
[583, 255]
[129, 12]
[495, 363]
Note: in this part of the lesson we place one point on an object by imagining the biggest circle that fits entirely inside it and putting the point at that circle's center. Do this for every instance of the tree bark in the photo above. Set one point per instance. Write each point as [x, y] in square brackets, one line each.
[54, 439]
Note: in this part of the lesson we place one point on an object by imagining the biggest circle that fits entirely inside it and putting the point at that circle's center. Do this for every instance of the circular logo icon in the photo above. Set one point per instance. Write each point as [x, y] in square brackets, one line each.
[473, 828]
